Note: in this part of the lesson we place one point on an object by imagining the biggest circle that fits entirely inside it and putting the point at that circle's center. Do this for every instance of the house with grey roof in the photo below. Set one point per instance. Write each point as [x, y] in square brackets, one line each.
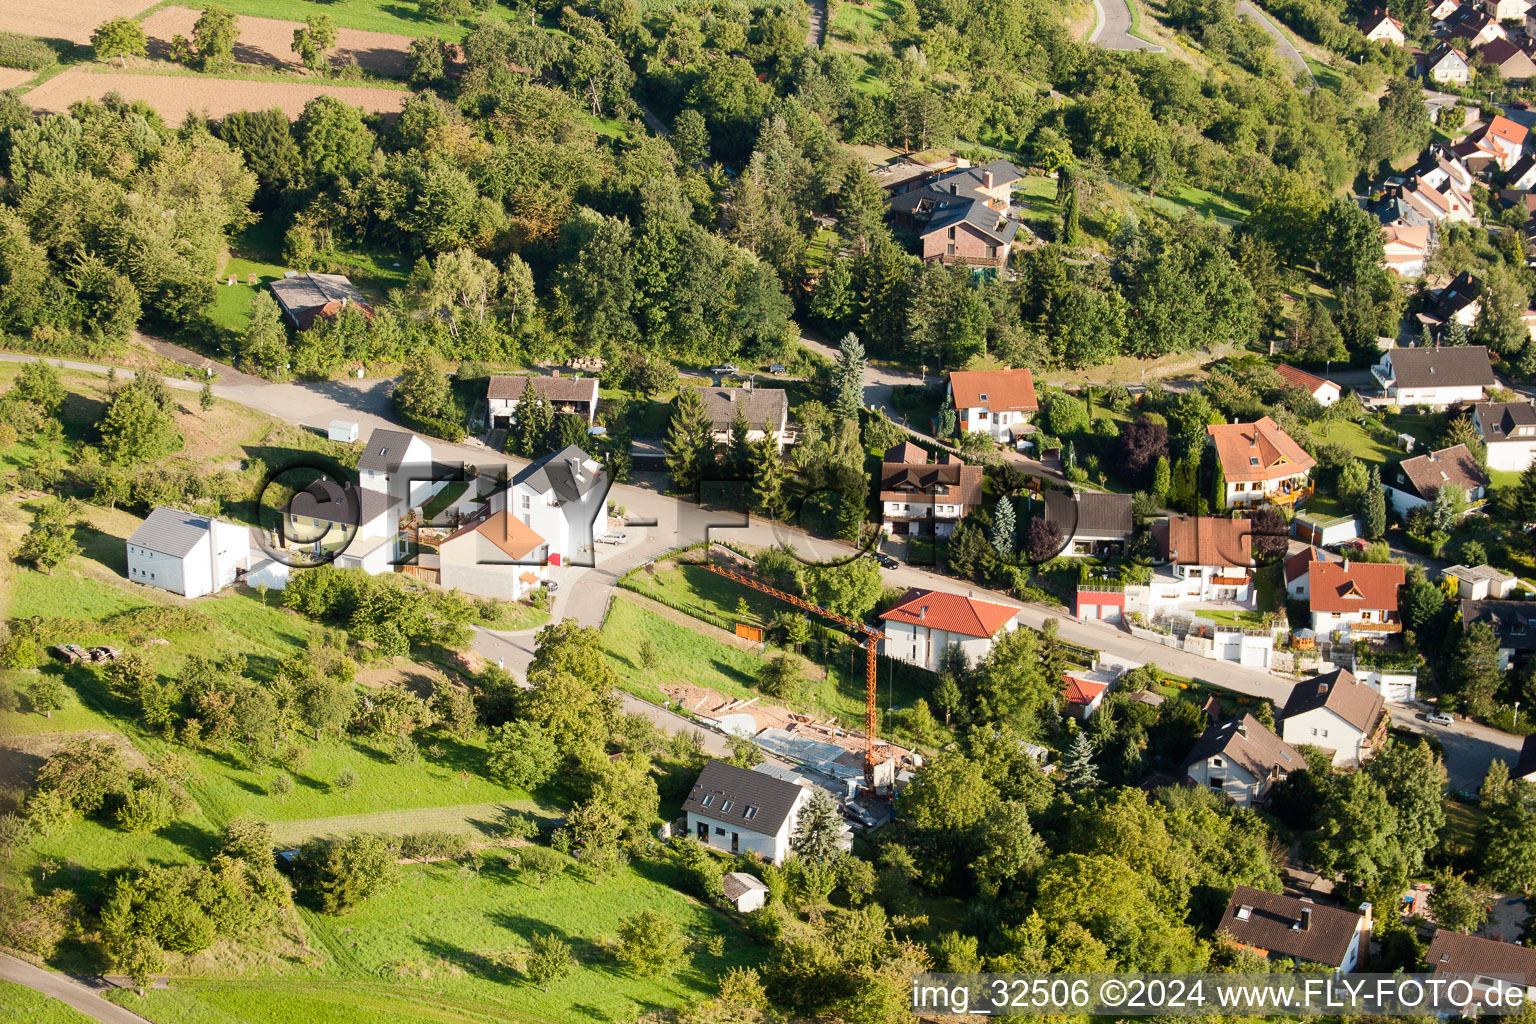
[1416, 481]
[1509, 431]
[562, 497]
[305, 298]
[1242, 759]
[575, 395]
[1512, 622]
[350, 526]
[766, 411]
[1091, 522]
[736, 810]
[187, 553]
[1440, 376]
[963, 215]
[399, 464]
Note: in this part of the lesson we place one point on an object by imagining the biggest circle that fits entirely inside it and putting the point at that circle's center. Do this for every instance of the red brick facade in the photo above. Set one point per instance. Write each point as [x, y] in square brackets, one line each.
[961, 241]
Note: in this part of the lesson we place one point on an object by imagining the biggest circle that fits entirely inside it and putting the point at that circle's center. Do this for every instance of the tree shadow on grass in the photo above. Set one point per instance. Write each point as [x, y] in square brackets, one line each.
[200, 842]
[732, 673]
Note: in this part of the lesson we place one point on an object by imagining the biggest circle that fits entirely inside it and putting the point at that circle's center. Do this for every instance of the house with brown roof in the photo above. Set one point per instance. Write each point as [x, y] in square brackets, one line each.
[1380, 27]
[1242, 759]
[1436, 377]
[1500, 141]
[1416, 481]
[574, 395]
[1338, 713]
[1490, 967]
[1204, 558]
[493, 554]
[925, 623]
[766, 411]
[1509, 431]
[923, 498]
[1511, 62]
[1260, 464]
[1298, 572]
[1280, 927]
[1326, 392]
[995, 402]
[1474, 27]
[1354, 596]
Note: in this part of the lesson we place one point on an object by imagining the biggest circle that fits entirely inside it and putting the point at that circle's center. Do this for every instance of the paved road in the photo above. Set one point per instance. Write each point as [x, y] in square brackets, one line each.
[1283, 44]
[1469, 747]
[1112, 29]
[66, 990]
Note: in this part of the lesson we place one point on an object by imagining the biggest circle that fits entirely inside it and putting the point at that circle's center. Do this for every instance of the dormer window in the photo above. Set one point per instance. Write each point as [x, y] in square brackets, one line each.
[1244, 912]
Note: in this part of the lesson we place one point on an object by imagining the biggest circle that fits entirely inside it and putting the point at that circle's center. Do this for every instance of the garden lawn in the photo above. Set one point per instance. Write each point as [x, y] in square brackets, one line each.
[705, 595]
[1361, 443]
[1242, 620]
[446, 945]
[21, 1005]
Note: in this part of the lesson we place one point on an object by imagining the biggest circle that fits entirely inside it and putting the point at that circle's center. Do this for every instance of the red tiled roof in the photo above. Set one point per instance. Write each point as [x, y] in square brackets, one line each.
[1302, 379]
[508, 533]
[1205, 540]
[1507, 130]
[1299, 564]
[1337, 588]
[1082, 691]
[950, 612]
[1239, 444]
[1011, 390]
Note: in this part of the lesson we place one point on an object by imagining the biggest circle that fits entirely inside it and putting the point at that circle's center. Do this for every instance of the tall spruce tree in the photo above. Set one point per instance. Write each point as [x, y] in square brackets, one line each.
[690, 445]
[849, 377]
[1373, 507]
[1004, 528]
[1077, 768]
[535, 420]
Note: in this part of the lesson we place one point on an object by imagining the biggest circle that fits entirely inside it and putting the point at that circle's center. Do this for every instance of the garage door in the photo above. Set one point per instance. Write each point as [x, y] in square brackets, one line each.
[1110, 613]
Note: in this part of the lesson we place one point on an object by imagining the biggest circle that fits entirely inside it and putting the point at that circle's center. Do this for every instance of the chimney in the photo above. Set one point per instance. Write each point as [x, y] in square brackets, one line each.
[1322, 688]
[986, 179]
[954, 189]
[1365, 928]
[1306, 919]
[1346, 565]
[343, 302]
[1242, 728]
[575, 465]
[922, 612]
[731, 395]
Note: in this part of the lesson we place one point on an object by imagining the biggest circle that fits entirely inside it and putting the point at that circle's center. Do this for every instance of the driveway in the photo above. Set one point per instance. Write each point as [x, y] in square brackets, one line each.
[1283, 44]
[66, 990]
[1468, 746]
[1112, 29]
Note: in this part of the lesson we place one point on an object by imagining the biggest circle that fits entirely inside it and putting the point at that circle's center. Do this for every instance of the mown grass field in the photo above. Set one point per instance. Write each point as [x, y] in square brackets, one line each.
[373, 15]
[21, 1005]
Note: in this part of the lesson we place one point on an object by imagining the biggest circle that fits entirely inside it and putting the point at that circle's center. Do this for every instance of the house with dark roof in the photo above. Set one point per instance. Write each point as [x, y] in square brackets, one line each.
[1489, 967]
[1416, 481]
[1260, 464]
[1509, 431]
[187, 553]
[995, 402]
[744, 892]
[1326, 392]
[963, 215]
[1242, 759]
[734, 810]
[399, 464]
[353, 527]
[924, 624]
[1513, 622]
[1338, 713]
[562, 497]
[1357, 597]
[1525, 768]
[766, 411]
[1473, 27]
[573, 395]
[923, 498]
[1092, 523]
[1280, 927]
[1436, 377]
[305, 298]
[1380, 27]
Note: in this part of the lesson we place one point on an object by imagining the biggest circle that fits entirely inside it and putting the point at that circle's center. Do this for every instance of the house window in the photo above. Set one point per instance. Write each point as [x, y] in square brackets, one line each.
[951, 238]
[1218, 781]
[1325, 734]
[719, 831]
[1217, 762]
[992, 252]
[1314, 732]
[951, 251]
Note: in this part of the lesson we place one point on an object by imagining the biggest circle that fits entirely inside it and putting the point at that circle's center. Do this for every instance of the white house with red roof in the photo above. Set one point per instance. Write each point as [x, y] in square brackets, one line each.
[1405, 247]
[925, 623]
[1381, 27]
[1084, 690]
[1500, 140]
[1298, 572]
[1260, 464]
[1354, 596]
[995, 402]
[1325, 391]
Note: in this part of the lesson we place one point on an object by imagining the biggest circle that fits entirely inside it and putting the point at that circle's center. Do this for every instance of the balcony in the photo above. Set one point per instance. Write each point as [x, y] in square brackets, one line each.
[1289, 495]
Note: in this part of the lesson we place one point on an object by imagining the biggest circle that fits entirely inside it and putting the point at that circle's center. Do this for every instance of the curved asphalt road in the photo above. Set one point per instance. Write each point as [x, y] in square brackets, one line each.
[66, 990]
[1113, 30]
[1283, 44]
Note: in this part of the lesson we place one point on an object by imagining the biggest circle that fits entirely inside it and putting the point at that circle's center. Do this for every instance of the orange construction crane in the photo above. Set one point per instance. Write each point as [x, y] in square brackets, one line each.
[870, 641]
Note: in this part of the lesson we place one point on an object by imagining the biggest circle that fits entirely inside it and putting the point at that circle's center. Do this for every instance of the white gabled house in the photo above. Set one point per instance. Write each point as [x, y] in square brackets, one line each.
[999, 403]
[1242, 759]
[1416, 481]
[187, 553]
[1509, 430]
[1437, 377]
[1337, 713]
[735, 810]
[926, 623]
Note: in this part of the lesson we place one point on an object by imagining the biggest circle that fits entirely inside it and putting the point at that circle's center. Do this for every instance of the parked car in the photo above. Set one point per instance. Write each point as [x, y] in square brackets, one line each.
[551, 586]
[856, 812]
[885, 560]
[721, 371]
[777, 368]
[614, 537]
[1439, 718]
